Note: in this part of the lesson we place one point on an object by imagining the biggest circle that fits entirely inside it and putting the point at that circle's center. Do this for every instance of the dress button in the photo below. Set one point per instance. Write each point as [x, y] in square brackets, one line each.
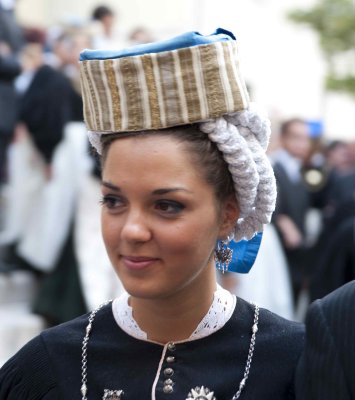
[170, 359]
[168, 372]
[171, 346]
[168, 382]
[168, 389]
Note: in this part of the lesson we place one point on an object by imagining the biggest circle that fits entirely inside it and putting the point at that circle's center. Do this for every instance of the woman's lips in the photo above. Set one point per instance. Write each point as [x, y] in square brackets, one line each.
[137, 263]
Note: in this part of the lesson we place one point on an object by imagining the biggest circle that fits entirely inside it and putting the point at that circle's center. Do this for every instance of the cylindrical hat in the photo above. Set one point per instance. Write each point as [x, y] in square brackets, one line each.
[184, 80]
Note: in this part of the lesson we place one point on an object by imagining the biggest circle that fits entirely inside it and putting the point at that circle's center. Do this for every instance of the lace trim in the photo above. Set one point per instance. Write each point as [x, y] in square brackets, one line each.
[217, 316]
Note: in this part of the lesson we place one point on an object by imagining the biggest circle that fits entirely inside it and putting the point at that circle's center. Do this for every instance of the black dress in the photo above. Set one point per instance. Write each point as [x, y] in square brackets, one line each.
[49, 367]
[45, 109]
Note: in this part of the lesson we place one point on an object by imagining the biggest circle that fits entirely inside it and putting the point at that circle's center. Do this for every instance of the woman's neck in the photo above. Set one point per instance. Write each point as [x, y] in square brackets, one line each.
[174, 318]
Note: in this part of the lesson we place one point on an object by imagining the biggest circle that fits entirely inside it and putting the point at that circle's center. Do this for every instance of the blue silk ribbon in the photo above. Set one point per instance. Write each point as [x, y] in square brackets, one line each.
[244, 254]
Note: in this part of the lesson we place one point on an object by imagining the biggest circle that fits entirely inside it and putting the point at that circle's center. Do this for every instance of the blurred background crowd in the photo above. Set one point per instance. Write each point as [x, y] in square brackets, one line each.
[53, 265]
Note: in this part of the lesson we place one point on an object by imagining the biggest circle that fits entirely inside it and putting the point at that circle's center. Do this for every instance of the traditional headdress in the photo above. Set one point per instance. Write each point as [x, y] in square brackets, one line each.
[189, 79]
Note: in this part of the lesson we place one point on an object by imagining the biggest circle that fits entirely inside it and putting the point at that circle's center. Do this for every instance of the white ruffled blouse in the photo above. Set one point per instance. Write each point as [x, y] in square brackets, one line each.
[219, 313]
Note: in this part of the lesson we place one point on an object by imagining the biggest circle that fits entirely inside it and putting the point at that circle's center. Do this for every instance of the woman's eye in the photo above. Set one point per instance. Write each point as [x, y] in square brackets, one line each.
[169, 207]
[111, 202]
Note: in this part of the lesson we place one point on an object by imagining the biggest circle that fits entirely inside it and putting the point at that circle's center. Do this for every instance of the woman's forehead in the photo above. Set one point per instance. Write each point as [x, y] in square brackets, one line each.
[154, 145]
[152, 163]
[148, 154]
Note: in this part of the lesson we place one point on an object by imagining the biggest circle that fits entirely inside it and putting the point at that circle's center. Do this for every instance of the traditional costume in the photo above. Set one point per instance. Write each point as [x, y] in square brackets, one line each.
[120, 358]
[237, 350]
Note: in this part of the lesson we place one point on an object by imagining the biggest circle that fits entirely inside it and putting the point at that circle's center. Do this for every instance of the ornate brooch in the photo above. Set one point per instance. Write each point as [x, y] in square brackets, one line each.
[112, 394]
[200, 393]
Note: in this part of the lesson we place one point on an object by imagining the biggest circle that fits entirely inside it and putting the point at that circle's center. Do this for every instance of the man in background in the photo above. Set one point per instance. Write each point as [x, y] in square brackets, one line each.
[293, 199]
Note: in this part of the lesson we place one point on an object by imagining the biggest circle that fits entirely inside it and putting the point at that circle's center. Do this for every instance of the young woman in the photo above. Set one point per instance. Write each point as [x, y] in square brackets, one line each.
[175, 190]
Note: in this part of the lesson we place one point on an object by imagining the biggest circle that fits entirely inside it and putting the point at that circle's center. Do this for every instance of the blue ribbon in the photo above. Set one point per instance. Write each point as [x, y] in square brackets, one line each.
[244, 254]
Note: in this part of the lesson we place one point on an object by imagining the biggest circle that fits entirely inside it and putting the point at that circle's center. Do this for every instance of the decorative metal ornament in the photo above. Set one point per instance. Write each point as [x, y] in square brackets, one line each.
[198, 393]
[112, 394]
[223, 256]
[201, 393]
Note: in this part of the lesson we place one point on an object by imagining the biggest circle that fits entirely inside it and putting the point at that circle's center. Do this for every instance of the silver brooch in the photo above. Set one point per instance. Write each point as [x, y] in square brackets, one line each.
[201, 393]
[112, 394]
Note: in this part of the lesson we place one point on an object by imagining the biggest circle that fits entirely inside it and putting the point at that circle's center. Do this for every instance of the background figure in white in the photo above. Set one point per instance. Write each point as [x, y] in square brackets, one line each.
[104, 29]
[268, 282]
[38, 211]
[71, 193]
[99, 281]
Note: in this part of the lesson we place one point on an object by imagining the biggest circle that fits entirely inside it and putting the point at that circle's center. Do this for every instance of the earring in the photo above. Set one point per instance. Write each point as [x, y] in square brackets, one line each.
[223, 256]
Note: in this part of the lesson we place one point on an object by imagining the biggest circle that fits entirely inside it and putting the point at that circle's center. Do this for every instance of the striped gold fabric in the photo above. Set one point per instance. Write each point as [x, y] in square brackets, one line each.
[159, 90]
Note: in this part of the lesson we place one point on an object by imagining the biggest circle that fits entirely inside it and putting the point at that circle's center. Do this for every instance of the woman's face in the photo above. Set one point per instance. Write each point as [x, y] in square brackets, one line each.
[160, 219]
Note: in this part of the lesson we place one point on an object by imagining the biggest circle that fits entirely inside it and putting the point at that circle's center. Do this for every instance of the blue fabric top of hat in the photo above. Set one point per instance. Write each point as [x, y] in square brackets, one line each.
[187, 39]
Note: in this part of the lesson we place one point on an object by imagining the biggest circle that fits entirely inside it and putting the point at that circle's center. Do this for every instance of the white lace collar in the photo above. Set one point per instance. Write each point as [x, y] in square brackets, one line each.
[219, 313]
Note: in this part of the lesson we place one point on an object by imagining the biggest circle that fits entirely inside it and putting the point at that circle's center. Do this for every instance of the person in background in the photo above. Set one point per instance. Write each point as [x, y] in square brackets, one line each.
[293, 199]
[9, 70]
[43, 102]
[66, 49]
[10, 31]
[11, 42]
[97, 285]
[335, 249]
[105, 34]
[327, 367]
[181, 175]
[38, 229]
[340, 186]
[140, 35]
[337, 156]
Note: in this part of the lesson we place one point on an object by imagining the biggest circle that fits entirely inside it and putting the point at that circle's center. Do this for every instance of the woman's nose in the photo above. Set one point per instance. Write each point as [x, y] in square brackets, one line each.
[136, 228]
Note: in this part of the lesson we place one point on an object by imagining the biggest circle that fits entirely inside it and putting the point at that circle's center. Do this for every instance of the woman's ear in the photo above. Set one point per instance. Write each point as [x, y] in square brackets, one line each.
[229, 216]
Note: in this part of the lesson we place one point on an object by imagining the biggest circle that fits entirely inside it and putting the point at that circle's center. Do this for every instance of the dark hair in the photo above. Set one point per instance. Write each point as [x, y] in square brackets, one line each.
[334, 144]
[285, 126]
[203, 152]
[101, 12]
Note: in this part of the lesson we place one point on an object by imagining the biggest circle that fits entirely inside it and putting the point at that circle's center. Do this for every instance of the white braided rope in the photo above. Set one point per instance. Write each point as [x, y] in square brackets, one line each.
[243, 137]
[95, 140]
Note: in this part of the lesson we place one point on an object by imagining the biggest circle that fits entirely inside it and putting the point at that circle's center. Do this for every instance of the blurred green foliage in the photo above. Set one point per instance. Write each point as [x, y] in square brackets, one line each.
[334, 22]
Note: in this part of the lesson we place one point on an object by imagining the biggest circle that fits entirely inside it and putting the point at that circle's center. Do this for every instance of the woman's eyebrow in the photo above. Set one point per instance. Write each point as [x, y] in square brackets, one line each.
[169, 190]
[111, 186]
[156, 192]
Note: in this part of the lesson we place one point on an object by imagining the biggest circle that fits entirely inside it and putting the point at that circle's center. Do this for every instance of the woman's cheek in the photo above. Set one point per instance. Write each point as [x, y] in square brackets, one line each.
[110, 232]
